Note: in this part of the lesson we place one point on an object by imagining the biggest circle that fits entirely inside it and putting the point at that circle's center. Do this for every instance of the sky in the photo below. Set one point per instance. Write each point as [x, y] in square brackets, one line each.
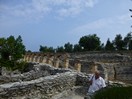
[56, 22]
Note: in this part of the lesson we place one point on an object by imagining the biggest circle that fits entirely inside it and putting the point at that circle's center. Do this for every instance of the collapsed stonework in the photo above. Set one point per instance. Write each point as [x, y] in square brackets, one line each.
[40, 87]
[49, 75]
[35, 71]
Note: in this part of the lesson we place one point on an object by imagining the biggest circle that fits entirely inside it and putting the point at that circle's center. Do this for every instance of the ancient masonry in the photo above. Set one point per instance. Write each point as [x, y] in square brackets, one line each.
[48, 75]
[43, 81]
[56, 60]
[113, 65]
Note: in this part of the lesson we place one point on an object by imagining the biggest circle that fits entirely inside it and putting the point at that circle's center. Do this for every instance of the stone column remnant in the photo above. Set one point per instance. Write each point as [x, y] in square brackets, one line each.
[44, 59]
[50, 59]
[56, 62]
[66, 60]
[31, 58]
[66, 63]
[78, 65]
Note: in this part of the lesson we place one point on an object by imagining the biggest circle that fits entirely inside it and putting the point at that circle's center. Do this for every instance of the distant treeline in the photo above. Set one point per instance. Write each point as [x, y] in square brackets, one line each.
[93, 43]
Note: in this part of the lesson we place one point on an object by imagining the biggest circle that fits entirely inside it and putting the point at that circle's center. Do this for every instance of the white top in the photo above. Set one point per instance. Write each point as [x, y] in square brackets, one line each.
[96, 84]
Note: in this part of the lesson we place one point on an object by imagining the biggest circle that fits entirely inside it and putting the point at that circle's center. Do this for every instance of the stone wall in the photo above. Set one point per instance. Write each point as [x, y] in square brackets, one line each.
[35, 71]
[41, 88]
[49, 75]
[37, 86]
[109, 63]
[106, 57]
[124, 72]
[113, 65]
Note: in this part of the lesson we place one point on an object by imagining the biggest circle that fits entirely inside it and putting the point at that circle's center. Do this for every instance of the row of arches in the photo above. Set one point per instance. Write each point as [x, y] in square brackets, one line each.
[56, 60]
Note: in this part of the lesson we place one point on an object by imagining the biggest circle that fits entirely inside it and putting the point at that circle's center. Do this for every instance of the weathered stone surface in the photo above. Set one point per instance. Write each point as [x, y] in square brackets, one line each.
[124, 72]
[43, 81]
[103, 56]
[44, 87]
[107, 62]
[113, 65]
[82, 79]
[36, 71]
[76, 92]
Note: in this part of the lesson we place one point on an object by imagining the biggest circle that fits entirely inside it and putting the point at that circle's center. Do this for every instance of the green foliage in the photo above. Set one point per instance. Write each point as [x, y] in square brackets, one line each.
[77, 48]
[127, 40]
[130, 45]
[11, 51]
[109, 46]
[68, 47]
[114, 93]
[46, 49]
[20, 66]
[119, 43]
[93, 43]
[90, 42]
[60, 49]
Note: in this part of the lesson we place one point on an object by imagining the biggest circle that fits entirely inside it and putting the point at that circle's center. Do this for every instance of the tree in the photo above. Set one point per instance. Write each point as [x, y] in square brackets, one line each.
[130, 45]
[60, 49]
[11, 50]
[119, 43]
[127, 40]
[46, 49]
[77, 48]
[68, 47]
[102, 47]
[90, 42]
[109, 45]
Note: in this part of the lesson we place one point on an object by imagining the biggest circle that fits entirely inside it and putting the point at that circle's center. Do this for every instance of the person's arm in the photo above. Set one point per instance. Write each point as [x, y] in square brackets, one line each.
[91, 79]
[103, 83]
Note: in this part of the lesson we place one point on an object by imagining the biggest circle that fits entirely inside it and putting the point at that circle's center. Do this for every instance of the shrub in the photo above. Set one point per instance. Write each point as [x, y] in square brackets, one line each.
[114, 93]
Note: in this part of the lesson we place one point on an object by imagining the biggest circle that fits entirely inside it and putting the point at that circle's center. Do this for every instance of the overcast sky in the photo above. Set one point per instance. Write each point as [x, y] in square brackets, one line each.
[56, 22]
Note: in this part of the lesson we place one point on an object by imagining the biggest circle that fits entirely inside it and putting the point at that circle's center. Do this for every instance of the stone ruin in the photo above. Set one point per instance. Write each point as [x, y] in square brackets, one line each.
[43, 81]
[113, 65]
[64, 76]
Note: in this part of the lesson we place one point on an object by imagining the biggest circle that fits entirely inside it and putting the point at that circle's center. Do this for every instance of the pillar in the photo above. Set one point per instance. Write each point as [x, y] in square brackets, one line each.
[44, 59]
[78, 66]
[38, 60]
[34, 58]
[66, 63]
[31, 58]
[56, 62]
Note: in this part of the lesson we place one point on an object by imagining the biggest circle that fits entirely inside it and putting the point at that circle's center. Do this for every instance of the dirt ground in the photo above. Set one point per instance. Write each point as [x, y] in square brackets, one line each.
[74, 93]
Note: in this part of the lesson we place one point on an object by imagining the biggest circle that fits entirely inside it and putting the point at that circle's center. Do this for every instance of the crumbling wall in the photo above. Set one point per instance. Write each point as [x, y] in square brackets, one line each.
[106, 57]
[112, 65]
[41, 88]
[33, 71]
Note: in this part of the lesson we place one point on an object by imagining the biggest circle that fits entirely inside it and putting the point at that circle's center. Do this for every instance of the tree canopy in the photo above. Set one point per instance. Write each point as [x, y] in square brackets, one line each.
[68, 47]
[46, 49]
[109, 45]
[11, 51]
[93, 43]
[90, 42]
